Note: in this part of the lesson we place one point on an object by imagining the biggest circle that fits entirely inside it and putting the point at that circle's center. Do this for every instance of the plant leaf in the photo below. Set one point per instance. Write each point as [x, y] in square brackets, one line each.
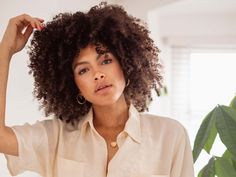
[223, 168]
[228, 156]
[202, 135]
[226, 126]
[209, 169]
[212, 136]
[233, 103]
[200, 172]
[234, 164]
[231, 112]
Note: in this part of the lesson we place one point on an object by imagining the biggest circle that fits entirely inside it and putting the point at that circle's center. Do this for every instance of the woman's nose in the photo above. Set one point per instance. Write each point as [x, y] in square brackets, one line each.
[99, 75]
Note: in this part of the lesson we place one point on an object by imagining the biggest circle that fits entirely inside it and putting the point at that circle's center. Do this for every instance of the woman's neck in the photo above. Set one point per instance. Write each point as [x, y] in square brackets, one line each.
[111, 116]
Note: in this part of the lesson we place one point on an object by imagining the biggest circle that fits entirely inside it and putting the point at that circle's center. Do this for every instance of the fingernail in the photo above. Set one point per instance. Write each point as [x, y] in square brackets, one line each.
[42, 26]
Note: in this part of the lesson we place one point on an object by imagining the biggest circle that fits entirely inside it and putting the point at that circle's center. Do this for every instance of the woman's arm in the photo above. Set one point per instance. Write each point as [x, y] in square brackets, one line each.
[182, 165]
[8, 142]
[13, 41]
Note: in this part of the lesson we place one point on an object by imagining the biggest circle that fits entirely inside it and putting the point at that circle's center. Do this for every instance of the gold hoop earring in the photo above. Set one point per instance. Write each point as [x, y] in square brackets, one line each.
[80, 99]
[127, 84]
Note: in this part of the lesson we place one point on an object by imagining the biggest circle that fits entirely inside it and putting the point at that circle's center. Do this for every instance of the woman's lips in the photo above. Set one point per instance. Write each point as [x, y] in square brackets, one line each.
[103, 90]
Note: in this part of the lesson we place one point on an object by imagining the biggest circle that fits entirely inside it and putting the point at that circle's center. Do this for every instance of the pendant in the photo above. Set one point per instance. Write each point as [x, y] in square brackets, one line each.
[113, 144]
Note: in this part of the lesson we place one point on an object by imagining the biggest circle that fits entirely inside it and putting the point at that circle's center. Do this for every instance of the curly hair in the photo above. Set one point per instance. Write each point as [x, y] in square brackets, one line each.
[53, 49]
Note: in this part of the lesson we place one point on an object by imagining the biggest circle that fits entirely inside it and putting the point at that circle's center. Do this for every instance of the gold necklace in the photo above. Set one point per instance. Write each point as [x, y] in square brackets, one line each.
[113, 144]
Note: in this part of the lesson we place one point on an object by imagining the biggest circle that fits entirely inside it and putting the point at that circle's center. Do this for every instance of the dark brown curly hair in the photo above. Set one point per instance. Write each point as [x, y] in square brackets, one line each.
[53, 50]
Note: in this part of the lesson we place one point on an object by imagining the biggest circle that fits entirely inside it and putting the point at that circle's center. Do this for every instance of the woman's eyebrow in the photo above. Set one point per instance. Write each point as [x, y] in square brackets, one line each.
[79, 63]
[85, 62]
[100, 55]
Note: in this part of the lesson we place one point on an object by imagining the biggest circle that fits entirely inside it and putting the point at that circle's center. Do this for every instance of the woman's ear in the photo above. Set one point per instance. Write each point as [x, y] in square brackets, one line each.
[79, 93]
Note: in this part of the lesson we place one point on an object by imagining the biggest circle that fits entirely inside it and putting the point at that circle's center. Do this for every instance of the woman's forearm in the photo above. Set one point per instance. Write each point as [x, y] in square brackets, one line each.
[5, 58]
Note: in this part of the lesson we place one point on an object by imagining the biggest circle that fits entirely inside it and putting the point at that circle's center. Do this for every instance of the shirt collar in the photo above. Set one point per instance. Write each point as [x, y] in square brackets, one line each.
[132, 125]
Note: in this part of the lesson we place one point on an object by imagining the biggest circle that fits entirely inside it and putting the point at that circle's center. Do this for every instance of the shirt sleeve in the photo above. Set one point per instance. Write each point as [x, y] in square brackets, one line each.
[182, 165]
[36, 144]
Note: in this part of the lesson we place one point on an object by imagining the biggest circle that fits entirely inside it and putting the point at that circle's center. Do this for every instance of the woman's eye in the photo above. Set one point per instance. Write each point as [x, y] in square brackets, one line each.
[82, 71]
[107, 61]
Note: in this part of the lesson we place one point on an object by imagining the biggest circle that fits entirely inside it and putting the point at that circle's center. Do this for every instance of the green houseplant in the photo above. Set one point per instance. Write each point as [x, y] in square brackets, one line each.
[221, 120]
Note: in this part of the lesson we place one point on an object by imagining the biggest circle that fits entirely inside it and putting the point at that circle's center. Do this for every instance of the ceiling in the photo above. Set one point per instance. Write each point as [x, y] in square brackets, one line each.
[199, 6]
[140, 8]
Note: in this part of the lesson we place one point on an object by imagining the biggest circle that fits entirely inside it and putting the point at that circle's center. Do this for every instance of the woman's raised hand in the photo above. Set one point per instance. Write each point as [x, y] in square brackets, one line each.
[15, 37]
[18, 32]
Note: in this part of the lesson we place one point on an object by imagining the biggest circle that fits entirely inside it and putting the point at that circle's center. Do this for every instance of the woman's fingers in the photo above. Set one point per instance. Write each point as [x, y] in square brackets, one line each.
[19, 30]
[24, 20]
[28, 32]
[40, 24]
[40, 19]
[21, 25]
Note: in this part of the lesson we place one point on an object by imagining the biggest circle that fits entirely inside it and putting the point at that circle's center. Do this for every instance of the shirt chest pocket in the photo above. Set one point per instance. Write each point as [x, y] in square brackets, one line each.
[71, 168]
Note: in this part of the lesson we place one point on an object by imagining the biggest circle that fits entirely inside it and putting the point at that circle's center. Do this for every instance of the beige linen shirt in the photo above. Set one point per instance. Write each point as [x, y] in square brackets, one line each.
[149, 146]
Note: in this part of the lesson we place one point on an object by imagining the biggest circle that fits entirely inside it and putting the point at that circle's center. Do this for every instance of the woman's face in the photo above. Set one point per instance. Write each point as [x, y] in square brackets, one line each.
[99, 77]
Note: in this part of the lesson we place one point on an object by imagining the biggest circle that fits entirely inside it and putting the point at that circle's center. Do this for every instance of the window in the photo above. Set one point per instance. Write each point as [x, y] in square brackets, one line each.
[201, 78]
[212, 80]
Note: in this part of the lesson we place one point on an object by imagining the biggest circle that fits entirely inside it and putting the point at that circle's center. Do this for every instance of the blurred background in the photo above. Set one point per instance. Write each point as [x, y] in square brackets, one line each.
[197, 39]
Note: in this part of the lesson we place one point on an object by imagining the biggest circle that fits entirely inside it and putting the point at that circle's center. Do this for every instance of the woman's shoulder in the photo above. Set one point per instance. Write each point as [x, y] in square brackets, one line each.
[161, 123]
[59, 124]
[51, 125]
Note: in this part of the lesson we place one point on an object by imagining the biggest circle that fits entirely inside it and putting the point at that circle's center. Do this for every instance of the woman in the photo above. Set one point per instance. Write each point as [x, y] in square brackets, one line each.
[94, 72]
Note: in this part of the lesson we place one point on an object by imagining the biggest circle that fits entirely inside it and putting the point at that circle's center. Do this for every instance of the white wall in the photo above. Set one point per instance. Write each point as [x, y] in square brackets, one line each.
[190, 23]
[180, 24]
[140, 8]
[200, 28]
[194, 22]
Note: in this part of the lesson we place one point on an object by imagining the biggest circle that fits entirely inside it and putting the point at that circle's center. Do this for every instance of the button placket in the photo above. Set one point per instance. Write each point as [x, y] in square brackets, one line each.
[124, 161]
